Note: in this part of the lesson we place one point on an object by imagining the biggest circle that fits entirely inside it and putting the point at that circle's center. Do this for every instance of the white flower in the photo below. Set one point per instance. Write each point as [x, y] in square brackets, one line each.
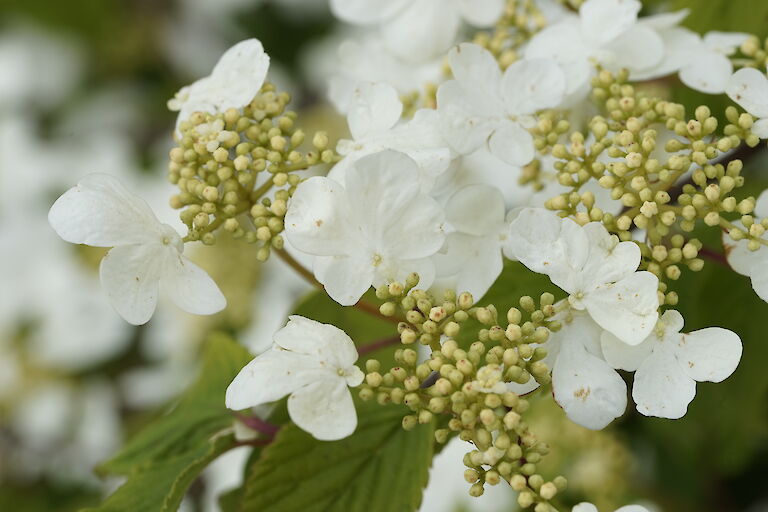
[597, 270]
[472, 257]
[753, 264]
[418, 30]
[588, 507]
[749, 88]
[606, 32]
[668, 364]
[376, 228]
[588, 389]
[485, 106]
[234, 81]
[311, 362]
[373, 119]
[146, 254]
[489, 379]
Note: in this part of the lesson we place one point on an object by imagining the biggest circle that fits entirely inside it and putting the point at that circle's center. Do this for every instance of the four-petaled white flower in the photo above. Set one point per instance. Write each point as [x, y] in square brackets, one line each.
[749, 88]
[668, 364]
[418, 30]
[234, 81]
[313, 364]
[472, 257]
[588, 507]
[375, 229]
[605, 32]
[146, 255]
[482, 105]
[599, 272]
[373, 118]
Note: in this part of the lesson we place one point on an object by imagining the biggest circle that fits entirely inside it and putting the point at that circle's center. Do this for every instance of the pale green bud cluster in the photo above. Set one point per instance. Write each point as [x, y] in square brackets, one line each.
[755, 51]
[519, 22]
[225, 165]
[466, 380]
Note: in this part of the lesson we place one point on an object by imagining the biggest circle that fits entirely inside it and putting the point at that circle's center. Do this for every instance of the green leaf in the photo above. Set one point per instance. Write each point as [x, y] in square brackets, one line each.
[163, 460]
[379, 468]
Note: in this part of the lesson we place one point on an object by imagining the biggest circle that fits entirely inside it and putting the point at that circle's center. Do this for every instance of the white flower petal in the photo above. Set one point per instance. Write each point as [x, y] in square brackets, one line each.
[324, 409]
[608, 260]
[345, 278]
[423, 30]
[531, 85]
[481, 13]
[622, 356]
[749, 88]
[760, 128]
[679, 45]
[317, 221]
[710, 354]
[740, 258]
[101, 212]
[479, 75]
[271, 376]
[661, 387]
[512, 143]
[239, 75]
[465, 126]
[724, 42]
[189, 286]
[481, 270]
[604, 20]
[326, 342]
[365, 12]
[626, 308]
[375, 108]
[564, 43]
[584, 507]
[665, 20]
[707, 72]
[586, 387]
[130, 275]
[638, 49]
[476, 210]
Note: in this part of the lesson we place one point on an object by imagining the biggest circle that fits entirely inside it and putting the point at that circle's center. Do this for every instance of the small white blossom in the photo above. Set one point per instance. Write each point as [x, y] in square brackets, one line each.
[605, 32]
[483, 106]
[753, 264]
[376, 228]
[418, 30]
[234, 81]
[599, 272]
[668, 364]
[146, 255]
[374, 123]
[472, 257]
[313, 364]
[749, 88]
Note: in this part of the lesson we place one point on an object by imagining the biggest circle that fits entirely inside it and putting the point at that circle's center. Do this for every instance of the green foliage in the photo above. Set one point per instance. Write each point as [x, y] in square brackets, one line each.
[164, 459]
[381, 467]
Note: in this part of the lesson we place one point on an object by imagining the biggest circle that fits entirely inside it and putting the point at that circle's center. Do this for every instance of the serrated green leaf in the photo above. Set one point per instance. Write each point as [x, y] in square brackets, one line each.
[199, 414]
[380, 468]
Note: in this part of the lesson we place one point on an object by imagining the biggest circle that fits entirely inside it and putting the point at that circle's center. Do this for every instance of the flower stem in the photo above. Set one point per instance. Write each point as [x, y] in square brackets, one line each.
[257, 424]
[377, 345]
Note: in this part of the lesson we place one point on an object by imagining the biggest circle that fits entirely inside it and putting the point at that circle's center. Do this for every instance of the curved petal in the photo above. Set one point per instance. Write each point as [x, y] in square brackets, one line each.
[423, 30]
[479, 75]
[332, 346]
[586, 387]
[760, 128]
[679, 45]
[481, 13]
[564, 43]
[531, 85]
[609, 260]
[375, 108]
[622, 356]
[189, 286]
[626, 308]
[740, 258]
[130, 275]
[271, 376]
[749, 88]
[366, 12]
[101, 212]
[661, 387]
[710, 354]
[239, 75]
[724, 42]
[584, 507]
[345, 279]
[317, 220]
[482, 268]
[604, 20]
[324, 409]
[512, 143]
[476, 210]
[638, 49]
[464, 126]
[707, 72]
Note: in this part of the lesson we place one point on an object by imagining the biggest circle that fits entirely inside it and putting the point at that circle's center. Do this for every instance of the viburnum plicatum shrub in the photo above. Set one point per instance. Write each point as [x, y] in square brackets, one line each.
[532, 144]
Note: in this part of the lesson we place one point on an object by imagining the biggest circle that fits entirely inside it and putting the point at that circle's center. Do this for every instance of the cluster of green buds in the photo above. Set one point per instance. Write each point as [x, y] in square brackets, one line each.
[639, 149]
[465, 383]
[519, 22]
[236, 170]
[754, 54]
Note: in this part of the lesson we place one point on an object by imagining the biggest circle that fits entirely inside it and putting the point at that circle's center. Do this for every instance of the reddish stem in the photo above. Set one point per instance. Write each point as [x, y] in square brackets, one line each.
[377, 345]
